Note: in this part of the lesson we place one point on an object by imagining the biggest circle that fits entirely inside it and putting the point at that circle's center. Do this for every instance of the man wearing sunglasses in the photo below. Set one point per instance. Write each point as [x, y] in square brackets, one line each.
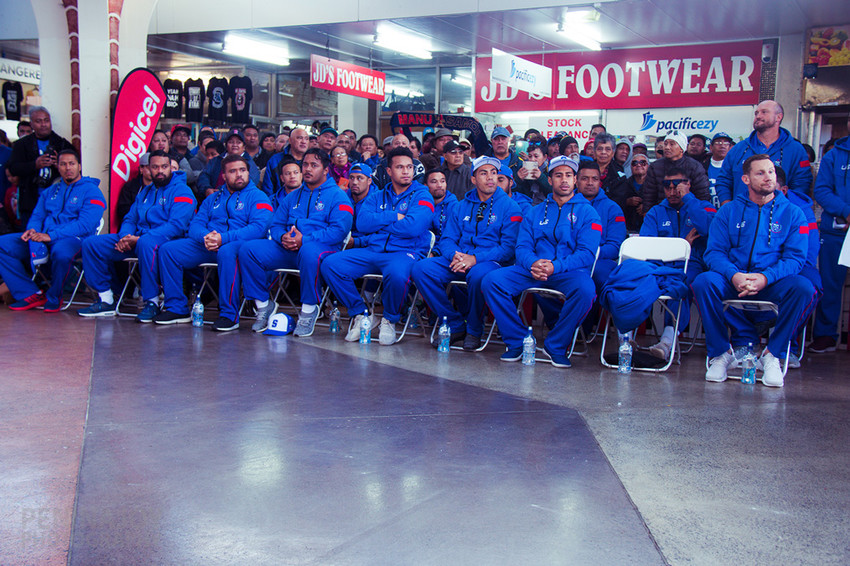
[679, 215]
[675, 144]
[479, 237]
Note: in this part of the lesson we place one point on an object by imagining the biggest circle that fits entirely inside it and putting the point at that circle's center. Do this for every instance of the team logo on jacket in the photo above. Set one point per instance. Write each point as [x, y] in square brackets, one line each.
[775, 227]
[74, 200]
[741, 224]
[320, 206]
[688, 222]
[491, 219]
[403, 206]
[544, 222]
[572, 217]
[162, 201]
[466, 218]
[666, 223]
[240, 205]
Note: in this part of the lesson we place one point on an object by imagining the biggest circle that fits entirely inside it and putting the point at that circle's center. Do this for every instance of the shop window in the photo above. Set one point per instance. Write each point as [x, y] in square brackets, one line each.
[295, 97]
[456, 86]
[410, 90]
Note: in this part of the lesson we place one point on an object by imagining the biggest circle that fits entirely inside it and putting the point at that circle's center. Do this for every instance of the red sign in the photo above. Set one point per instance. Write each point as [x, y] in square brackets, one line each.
[719, 74]
[137, 108]
[339, 76]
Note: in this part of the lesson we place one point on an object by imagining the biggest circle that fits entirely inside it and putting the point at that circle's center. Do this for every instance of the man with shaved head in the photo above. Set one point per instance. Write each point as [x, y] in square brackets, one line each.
[767, 138]
[299, 143]
[380, 178]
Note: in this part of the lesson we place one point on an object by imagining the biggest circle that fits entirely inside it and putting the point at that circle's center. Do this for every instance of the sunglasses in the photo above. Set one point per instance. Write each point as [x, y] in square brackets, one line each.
[642, 163]
[673, 183]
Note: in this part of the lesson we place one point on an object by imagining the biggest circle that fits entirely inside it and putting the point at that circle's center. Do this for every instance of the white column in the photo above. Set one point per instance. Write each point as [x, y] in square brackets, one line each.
[353, 112]
[55, 63]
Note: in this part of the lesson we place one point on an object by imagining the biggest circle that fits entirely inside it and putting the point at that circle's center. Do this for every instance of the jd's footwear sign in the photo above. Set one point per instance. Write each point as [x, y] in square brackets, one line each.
[137, 108]
[339, 76]
[722, 74]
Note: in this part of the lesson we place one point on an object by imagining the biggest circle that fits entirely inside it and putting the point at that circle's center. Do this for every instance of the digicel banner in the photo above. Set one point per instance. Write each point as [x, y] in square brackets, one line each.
[137, 108]
[720, 74]
[339, 76]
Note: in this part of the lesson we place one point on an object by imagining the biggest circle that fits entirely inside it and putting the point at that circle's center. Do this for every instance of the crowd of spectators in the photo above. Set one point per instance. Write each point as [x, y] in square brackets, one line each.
[505, 214]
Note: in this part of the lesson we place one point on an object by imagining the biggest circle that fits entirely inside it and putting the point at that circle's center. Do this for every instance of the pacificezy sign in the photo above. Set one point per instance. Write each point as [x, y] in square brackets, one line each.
[719, 74]
[521, 74]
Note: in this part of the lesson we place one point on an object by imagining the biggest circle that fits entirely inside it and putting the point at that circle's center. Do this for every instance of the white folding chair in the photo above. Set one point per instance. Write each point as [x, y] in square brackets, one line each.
[490, 332]
[652, 248]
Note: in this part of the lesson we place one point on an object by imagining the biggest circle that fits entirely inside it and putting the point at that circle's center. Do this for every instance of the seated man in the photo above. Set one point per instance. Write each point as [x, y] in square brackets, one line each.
[290, 179]
[756, 249]
[65, 214]
[588, 184]
[505, 181]
[396, 222]
[310, 224]
[212, 177]
[444, 201]
[161, 212]
[679, 215]
[480, 237]
[555, 249]
[236, 213]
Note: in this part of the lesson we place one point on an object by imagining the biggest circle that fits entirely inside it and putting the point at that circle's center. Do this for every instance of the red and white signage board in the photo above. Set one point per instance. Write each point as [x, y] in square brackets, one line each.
[140, 101]
[575, 126]
[346, 78]
[718, 74]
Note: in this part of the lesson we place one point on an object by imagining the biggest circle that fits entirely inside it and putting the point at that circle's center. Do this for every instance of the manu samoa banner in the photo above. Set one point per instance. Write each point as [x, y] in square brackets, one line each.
[140, 101]
[717, 74]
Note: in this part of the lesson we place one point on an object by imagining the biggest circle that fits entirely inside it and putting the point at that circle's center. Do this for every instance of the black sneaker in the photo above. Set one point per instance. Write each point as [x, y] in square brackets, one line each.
[822, 344]
[471, 342]
[168, 317]
[224, 324]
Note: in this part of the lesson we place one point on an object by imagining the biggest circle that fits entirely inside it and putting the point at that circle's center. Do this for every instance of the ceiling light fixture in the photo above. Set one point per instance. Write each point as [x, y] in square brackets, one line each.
[241, 46]
[462, 80]
[392, 39]
[576, 26]
[398, 91]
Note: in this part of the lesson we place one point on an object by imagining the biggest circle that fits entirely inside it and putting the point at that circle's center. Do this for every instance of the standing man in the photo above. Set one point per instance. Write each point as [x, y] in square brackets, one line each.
[674, 156]
[34, 160]
[767, 138]
[299, 143]
[309, 225]
[458, 173]
[180, 151]
[555, 249]
[396, 222]
[480, 237]
[832, 192]
[63, 216]
[696, 147]
[756, 249]
[720, 144]
[441, 137]
[160, 213]
[327, 139]
[252, 141]
[226, 220]
[500, 139]
[212, 178]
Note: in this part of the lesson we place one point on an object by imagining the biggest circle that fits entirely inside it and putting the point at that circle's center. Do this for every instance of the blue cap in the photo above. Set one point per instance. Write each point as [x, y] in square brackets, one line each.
[38, 253]
[506, 171]
[479, 162]
[329, 130]
[500, 131]
[562, 160]
[361, 168]
[721, 135]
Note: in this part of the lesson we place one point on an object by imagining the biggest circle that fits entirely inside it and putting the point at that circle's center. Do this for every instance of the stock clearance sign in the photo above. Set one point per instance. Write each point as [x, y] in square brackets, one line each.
[720, 74]
[338, 76]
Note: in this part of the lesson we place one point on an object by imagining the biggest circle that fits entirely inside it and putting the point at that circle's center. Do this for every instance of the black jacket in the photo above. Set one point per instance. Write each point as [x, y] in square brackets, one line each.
[620, 194]
[653, 192]
[22, 165]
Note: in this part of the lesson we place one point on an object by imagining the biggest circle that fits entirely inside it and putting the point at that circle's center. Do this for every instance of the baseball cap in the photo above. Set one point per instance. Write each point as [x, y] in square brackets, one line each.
[443, 132]
[145, 159]
[361, 168]
[721, 136]
[183, 127]
[38, 253]
[451, 145]
[506, 171]
[234, 132]
[479, 162]
[329, 130]
[388, 140]
[678, 138]
[500, 131]
[280, 324]
[562, 160]
[637, 145]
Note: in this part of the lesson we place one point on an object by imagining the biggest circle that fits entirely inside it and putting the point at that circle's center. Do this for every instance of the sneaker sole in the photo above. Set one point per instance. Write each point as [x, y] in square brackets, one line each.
[94, 314]
[226, 329]
[716, 379]
[823, 350]
[516, 359]
[53, 310]
[28, 307]
[174, 321]
[144, 320]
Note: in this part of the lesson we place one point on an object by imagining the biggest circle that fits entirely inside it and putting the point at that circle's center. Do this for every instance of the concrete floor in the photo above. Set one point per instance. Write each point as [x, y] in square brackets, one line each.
[123, 443]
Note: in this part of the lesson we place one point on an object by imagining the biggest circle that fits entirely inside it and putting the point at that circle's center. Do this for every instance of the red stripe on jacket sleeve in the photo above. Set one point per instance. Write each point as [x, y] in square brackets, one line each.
[804, 229]
[426, 203]
[813, 226]
[264, 206]
[516, 218]
[805, 163]
[346, 208]
[183, 199]
[620, 219]
[97, 202]
[710, 209]
[596, 226]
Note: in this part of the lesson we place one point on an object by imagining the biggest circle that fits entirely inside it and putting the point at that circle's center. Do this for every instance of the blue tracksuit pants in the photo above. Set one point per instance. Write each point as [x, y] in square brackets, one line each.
[177, 255]
[794, 294]
[431, 277]
[259, 257]
[833, 276]
[341, 269]
[99, 252]
[15, 262]
[502, 285]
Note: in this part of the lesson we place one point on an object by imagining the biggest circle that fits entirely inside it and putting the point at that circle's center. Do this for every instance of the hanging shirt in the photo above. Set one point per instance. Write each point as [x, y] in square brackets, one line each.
[218, 92]
[241, 93]
[173, 98]
[194, 89]
[13, 97]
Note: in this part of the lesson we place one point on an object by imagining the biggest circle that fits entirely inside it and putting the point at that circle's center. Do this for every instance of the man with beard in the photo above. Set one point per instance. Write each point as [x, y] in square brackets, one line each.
[237, 213]
[212, 177]
[756, 249]
[160, 213]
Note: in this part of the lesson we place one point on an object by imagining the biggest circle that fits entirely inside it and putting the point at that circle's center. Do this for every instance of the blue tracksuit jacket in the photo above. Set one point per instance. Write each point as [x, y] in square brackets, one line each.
[491, 239]
[667, 222]
[162, 212]
[243, 215]
[613, 225]
[832, 187]
[379, 219]
[442, 211]
[322, 215]
[786, 152]
[804, 203]
[209, 176]
[65, 211]
[524, 201]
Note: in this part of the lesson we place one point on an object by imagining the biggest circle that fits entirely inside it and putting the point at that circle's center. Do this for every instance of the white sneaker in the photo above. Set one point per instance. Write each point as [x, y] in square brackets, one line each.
[354, 334]
[661, 350]
[717, 366]
[387, 334]
[772, 376]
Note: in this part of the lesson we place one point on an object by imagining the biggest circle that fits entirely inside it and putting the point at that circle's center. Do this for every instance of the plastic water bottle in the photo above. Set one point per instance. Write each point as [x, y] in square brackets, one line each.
[624, 353]
[445, 336]
[749, 366]
[529, 349]
[198, 313]
[366, 329]
[334, 320]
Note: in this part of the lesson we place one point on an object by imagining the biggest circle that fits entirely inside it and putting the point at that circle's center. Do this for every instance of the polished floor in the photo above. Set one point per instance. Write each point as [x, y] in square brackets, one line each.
[129, 444]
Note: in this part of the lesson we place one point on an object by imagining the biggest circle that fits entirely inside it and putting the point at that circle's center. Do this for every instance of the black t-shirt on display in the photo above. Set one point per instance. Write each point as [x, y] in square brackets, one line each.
[241, 93]
[13, 99]
[173, 98]
[194, 92]
[218, 93]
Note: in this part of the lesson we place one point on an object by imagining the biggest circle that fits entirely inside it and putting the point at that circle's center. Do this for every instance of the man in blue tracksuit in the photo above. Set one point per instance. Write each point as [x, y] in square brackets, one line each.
[756, 248]
[555, 249]
[212, 177]
[396, 220]
[310, 224]
[444, 201]
[65, 214]
[359, 187]
[679, 215]
[832, 192]
[480, 237]
[768, 138]
[505, 181]
[161, 212]
[235, 214]
[588, 184]
[290, 178]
